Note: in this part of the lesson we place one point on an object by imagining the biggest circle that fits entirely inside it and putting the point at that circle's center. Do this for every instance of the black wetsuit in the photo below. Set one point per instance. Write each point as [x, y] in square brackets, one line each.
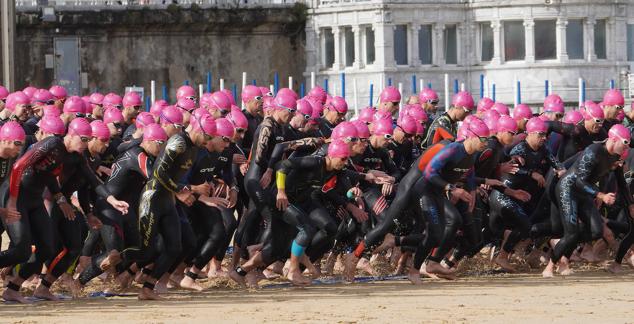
[157, 208]
[575, 194]
[129, 174]
[36, 170]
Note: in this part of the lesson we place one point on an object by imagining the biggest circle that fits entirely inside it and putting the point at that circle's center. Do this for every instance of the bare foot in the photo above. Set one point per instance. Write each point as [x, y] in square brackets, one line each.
[563, 268]
[237, 278]
[124, 280]
[12, 295]
[533, 259]
[296, 278]
[436, 268]
[503, 262]
[423, 271]
[350, 266]
[614, 267]
[414, 277]
[189, 283]
[252, 278]
[588, 255]
[44, 293]
[330, 264]
[5, 272]
[365, 266]
[161, 287]
[75, 288]
[149, 294]
[388, 242]
[83, 262]
[111, 260]
[630, 259]
[447, 276]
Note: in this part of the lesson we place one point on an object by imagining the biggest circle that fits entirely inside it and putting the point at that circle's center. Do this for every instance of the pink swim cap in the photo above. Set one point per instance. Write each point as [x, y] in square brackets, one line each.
[154, 132]
[52, 125]
[80, 127]
[338, 149]
[143, 119]
[12, 131]
[100, 130]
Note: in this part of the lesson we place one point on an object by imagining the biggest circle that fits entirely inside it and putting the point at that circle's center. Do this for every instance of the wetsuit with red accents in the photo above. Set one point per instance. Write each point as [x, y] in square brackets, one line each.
[452, 166]
[31, 174]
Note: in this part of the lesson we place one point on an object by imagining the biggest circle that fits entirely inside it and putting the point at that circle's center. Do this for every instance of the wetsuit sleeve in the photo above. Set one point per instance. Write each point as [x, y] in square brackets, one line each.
[434, 168]
[281, 148]
[83, 196]
[624, 189]
[470, 184]
[262, 143]
[92, 178]
[306, 162]
[390, 166]
[553, 161]
[176, 146]
[53, 184]
[227, 171]
[520, 150]
[584, 169]
[37, 152]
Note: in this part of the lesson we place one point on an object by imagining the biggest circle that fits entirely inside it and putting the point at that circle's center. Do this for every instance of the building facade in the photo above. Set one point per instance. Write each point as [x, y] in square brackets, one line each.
[381, 41]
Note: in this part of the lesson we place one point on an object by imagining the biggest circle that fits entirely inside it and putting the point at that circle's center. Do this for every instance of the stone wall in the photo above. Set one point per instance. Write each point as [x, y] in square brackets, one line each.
[120, 48]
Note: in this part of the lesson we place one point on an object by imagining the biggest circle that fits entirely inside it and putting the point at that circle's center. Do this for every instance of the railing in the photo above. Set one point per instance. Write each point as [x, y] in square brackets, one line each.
[333, 3]
[97, 4]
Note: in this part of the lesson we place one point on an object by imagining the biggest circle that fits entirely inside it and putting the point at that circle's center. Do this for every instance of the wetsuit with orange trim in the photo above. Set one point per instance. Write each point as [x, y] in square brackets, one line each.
[441, 128]
[407, 195]
[36, 170]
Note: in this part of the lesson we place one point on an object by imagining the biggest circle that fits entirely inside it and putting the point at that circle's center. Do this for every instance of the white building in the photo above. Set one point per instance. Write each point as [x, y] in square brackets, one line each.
[505, 40]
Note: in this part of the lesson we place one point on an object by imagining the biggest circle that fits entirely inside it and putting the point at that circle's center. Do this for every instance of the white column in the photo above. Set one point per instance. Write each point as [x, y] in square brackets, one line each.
[589, 45]
[439, 37]
[414, 60]
[529, 40]
[610, 39]
[620, 34]
[461, 48]
[470, 43]
[562, 52]
[312, 49]
[384, 45]
[338, 52]
[358, 62]
[321, 60]
[497, 42]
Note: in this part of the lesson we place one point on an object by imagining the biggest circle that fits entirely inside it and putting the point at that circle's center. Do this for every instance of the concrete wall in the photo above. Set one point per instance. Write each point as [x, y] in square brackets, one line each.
[124, 47]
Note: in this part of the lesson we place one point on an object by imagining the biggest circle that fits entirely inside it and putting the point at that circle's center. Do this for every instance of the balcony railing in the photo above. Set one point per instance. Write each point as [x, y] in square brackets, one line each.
[114, 4]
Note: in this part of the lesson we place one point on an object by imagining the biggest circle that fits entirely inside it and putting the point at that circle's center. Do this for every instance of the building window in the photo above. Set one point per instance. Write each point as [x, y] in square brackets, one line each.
[486, 42]
[400, 44]
[369, 45]
[349, 42]
[545, 40]
[329, 47]
[514, 44]
[574, 39]
[599, 39]
[630, 43]
[425, 44]
[451, 50]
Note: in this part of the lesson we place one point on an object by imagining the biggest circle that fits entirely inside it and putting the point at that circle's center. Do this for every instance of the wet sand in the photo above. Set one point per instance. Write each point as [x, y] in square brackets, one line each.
[589, 296]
